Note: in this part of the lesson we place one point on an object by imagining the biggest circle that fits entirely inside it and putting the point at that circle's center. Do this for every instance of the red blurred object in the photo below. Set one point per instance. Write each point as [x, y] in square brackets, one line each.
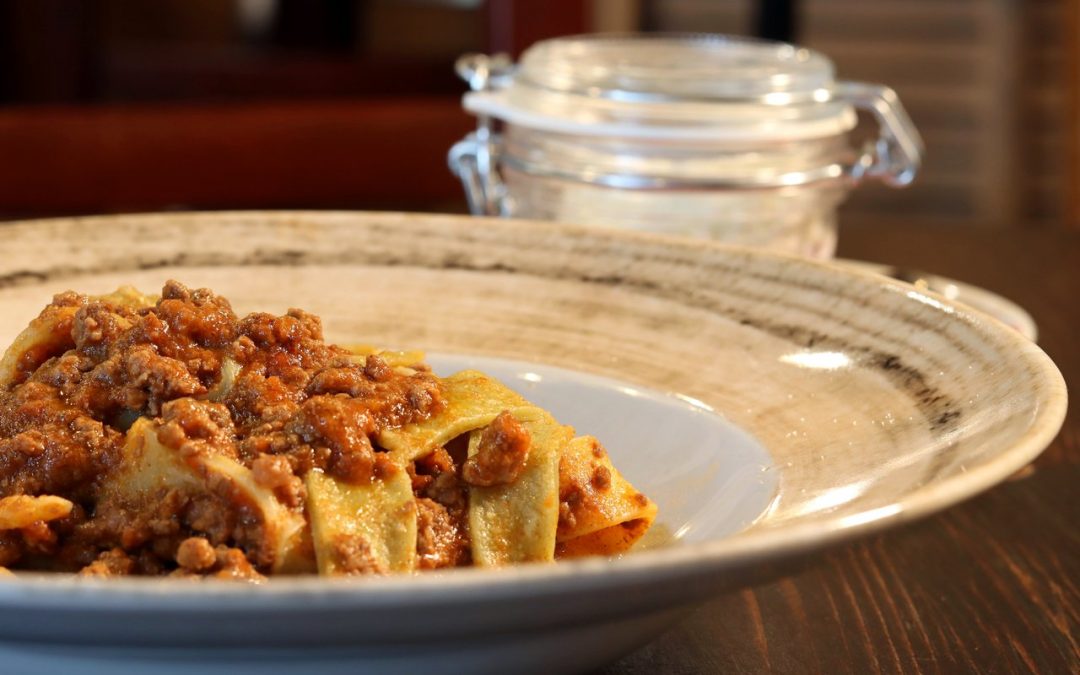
[108, 119]
[341, 154]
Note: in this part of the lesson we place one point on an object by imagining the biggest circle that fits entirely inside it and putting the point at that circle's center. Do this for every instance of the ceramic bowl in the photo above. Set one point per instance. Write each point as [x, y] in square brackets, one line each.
[771, 406]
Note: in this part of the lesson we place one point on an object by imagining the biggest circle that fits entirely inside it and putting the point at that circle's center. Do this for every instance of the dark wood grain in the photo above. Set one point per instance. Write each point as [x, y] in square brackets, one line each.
[989, 586]
[1071, 85]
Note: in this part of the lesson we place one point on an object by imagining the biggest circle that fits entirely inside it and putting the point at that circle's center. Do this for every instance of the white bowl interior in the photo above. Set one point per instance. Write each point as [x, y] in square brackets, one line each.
[712, 478]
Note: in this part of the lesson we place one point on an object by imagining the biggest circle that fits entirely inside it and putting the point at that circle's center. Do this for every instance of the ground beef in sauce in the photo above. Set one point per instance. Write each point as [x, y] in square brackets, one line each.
[275, 472]
[195, 554]
[440, 537]
[112, 563]
[442, 512]
[295, 403]
[198, 559]
[192, 426]
[500, 455]
[352, 555]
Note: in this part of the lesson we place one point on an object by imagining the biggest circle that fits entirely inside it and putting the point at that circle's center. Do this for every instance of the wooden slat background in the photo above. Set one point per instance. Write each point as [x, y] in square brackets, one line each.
[984, 80]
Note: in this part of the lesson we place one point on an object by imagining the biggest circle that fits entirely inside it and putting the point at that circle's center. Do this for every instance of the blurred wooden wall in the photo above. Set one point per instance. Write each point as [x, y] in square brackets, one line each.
[122, 105]
[991, 85]
[1072, 122]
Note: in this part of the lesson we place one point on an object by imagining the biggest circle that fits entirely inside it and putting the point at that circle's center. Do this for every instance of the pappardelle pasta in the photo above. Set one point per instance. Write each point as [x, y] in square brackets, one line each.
[166, 436]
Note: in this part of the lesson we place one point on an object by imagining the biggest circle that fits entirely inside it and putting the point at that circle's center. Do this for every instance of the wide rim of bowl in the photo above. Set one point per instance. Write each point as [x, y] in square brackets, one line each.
[671, 563]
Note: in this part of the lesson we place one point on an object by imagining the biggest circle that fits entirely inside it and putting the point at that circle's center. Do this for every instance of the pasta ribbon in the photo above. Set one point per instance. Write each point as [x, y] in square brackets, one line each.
[472, 400]
[602, 512]
[358, 529]
[230, 369]
[47, 335]
[23, 510]
[516, 522]
[394, 358]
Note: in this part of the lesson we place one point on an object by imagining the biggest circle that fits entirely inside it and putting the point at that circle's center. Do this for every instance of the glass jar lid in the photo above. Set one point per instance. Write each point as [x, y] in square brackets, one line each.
[668, 86]
[678, 67]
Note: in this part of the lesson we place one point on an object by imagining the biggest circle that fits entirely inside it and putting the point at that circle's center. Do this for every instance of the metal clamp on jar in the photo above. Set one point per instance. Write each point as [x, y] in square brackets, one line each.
[705, 135]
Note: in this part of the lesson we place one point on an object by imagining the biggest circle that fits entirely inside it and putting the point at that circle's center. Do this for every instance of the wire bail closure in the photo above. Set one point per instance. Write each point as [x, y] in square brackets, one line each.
[894, 157]
[474, 159]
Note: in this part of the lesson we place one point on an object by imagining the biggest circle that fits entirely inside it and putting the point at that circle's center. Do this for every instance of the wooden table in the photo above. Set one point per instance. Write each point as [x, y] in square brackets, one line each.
[990, 586]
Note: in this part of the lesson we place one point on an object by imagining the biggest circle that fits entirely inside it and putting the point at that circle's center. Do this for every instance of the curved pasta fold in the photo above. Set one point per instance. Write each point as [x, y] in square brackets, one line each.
[569, 501]
[603, 512]
[49, 334]
[277, 536]
[472, 400]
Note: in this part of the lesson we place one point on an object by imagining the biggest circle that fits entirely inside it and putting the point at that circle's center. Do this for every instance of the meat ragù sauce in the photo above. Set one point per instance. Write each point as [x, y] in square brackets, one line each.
[217, 391]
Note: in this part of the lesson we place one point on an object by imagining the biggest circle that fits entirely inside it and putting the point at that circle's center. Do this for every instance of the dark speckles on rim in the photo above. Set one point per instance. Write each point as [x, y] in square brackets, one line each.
[940, 410]
[23, 277]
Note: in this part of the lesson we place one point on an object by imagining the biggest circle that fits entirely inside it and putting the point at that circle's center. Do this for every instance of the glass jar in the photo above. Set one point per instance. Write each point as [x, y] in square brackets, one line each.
[713, 136]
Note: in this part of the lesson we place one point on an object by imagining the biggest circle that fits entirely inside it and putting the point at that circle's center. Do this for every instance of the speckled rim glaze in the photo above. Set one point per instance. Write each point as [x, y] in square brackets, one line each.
[595, 257]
